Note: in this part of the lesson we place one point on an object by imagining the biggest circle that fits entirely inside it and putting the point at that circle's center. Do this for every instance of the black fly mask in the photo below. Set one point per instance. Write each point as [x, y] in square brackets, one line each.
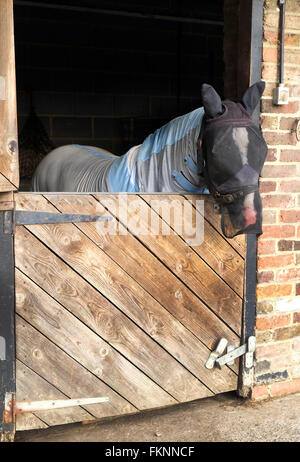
[234, 152]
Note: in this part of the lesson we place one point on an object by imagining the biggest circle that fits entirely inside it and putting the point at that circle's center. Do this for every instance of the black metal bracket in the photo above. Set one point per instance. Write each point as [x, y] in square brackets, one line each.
[7, 329]
[14, 218]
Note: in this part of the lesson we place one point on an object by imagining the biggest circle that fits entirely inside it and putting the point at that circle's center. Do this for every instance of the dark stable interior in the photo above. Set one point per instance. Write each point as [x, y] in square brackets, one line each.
[110, 77]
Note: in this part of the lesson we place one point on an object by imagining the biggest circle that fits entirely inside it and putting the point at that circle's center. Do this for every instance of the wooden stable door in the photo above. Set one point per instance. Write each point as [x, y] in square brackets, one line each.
[9, 169]
[128, 316]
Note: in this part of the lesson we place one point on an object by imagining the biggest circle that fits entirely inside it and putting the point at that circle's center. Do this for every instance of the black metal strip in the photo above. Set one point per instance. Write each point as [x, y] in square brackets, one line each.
[251, 255]
[35, 218]
[246, 376]
[7, 326]
[22, 217]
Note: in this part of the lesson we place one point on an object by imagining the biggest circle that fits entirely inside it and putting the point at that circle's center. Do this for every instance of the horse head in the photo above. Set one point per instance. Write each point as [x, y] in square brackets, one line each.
[234, 152]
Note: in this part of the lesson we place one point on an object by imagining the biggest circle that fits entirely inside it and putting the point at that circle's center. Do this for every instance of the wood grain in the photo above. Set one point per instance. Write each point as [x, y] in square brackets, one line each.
[68, 376]
[8, 112]
[88, 305]
[132, 317]
[149, 272]
[79, 342]
[238, 242]
[31, 384]
[214, 249]
[6, 201]
[180, 259]
[100, 271]
[5, 185]
[29, 422]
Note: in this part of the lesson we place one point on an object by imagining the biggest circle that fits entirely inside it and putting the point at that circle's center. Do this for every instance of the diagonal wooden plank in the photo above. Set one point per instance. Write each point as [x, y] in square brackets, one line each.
[73, 292]
[79, 342]
[87, 259]
[32, 387]
[5, 184]
[181, 260]
[214, 249]
[29, 422]
[60, 370]
[149, 272]
[238, 242]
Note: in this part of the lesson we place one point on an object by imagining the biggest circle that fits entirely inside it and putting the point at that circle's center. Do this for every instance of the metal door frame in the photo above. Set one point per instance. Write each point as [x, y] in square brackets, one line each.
[246, 376]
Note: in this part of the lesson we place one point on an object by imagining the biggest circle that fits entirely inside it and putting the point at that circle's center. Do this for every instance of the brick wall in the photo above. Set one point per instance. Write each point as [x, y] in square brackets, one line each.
[109, 81]
[278, 291]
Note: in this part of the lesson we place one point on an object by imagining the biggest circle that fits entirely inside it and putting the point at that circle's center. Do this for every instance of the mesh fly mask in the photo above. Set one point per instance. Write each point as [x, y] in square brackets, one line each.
[234, 152]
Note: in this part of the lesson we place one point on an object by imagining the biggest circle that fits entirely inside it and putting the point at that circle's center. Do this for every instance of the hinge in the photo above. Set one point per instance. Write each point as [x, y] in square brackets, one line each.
[13, 407]
[232, 353]
[14, 218]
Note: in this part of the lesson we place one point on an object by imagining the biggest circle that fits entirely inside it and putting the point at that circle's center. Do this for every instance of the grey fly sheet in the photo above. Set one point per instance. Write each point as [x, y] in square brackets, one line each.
[216, 148]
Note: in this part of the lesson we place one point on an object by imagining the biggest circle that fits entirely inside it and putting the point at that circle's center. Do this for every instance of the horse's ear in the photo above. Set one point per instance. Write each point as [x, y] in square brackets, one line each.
[211, 101]
[252, 96]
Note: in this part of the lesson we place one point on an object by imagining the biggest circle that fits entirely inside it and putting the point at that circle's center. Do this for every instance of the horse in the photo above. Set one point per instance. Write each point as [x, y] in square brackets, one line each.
[216, 148]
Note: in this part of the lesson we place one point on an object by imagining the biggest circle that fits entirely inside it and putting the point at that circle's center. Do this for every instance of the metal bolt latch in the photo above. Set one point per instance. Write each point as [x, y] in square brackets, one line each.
[232, 353]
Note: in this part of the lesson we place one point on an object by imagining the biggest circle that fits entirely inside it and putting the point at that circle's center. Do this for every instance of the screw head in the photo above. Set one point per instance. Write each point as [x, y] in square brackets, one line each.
[13, 145]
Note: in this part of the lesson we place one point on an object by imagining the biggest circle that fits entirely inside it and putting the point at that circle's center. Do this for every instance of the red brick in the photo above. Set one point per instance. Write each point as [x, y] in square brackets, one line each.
[292, 6]
[270, 54]
[271, 19]
[271, 322]
[264, 336]
[296, 317]
[281, 362]
[278, 200]
[260, 392]
[291, 40]
[289, 216]
[272, 37]
[267, 106]
[291, 75]
[286, 275]
[267, 186]
[272, 155]
[269, 72]
[273, 351]
[265, 276]
[279, 231]
[292, 56]
[284, 388]
[274, 290]
[289, 155]
[296, 349]
[278, 171]
[288, 123]
[276, 138]
[290, 186]
[265, 306]
[269, 217]
[292, 22]
[286, 333]
[269, 122]
[295, 90]
[276, 261]
[284, 245]
[265, 247]
[297, 289]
